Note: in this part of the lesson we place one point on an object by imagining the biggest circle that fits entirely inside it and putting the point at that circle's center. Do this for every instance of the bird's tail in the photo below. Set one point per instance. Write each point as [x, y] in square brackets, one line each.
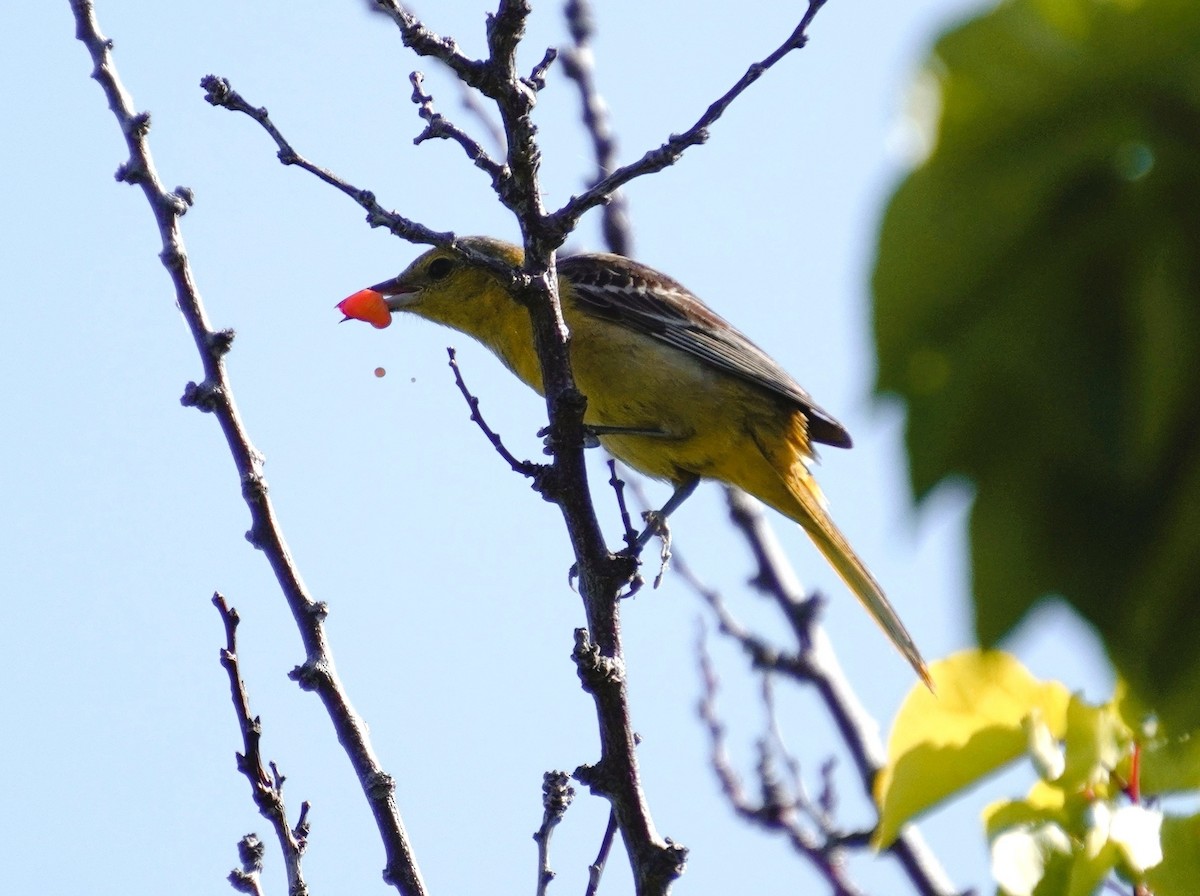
[833, 544]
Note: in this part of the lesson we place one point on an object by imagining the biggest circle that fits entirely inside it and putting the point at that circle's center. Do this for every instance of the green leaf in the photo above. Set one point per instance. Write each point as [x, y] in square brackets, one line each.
[1088, 871]
[1037, 307]
[1180, 868]
[1168, 763]
[1171, 765]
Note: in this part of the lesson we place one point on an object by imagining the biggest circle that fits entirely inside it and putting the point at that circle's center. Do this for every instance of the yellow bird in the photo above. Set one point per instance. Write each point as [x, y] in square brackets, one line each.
[673, 390]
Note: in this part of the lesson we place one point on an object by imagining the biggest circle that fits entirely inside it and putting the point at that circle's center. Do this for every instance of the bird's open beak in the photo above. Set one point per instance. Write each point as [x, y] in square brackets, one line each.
[375, 304]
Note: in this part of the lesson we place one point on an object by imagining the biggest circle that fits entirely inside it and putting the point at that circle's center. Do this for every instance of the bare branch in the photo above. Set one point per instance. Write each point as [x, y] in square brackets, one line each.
[599, 654]
[774, 812]
[215, 395]
[405, 18]
[813, 663]
[602, 574]
[656, 863]
[426, 43]
[817, 664]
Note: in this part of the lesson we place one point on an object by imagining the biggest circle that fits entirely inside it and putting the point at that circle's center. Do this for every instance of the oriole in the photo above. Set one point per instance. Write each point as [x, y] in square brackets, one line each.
[673, 390]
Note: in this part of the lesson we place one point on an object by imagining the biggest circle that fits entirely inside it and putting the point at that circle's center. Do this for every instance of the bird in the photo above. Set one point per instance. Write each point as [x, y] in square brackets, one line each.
[673, 390]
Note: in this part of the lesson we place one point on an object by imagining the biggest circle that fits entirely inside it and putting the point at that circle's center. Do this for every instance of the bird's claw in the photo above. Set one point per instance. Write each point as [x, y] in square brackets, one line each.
[656, 524]
[590, 439]
[635, 578]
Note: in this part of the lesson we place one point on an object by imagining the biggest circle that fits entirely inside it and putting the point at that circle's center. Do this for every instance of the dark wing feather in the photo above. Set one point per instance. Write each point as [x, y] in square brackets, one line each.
[615, 288]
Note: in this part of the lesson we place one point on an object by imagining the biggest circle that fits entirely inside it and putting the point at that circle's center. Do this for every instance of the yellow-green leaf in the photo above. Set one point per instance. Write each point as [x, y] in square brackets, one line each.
[1044, 804]
[941, 743]
[1097, 740]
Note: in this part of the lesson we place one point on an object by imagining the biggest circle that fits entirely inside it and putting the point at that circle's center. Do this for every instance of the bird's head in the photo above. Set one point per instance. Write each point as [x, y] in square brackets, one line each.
[441, 285]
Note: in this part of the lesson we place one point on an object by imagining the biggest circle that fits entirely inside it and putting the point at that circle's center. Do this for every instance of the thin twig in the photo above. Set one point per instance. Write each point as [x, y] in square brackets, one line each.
[557, 794]
[669, 152]
[215, 395]
[524, 467]
[438, 127]
[537, 77]
[618, 485]
[219, 92]
[266, 789]
[596, 869]
[774, 813]
[632, 548]
[579, 65]
[466, 95]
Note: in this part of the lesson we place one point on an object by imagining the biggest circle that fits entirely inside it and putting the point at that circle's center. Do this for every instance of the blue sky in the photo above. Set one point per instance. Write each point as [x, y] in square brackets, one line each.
[451, 621]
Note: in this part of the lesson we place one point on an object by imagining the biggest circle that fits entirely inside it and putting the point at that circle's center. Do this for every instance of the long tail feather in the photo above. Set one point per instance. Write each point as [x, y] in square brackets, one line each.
[827, 537]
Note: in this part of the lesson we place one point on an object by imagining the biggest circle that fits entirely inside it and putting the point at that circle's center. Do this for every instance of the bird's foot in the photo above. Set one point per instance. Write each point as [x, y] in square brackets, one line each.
[656, 525]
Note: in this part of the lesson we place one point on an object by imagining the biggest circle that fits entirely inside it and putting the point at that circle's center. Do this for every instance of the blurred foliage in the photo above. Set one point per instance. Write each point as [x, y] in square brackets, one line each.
[1037, 307]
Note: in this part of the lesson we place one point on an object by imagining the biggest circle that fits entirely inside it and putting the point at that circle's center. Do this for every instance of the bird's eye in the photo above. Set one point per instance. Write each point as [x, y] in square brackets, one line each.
[440, 267]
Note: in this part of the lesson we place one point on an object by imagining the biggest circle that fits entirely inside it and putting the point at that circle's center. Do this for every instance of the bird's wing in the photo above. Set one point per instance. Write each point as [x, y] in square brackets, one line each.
[614, 288]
